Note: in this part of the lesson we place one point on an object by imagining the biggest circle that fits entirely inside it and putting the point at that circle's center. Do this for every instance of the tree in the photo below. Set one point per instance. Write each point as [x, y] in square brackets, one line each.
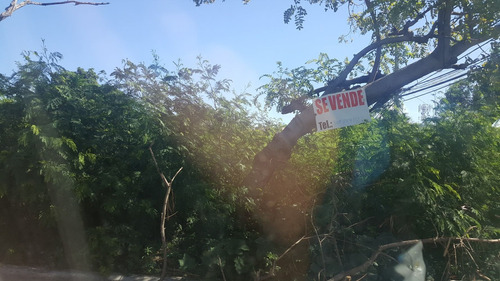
[392, 180]
[430, 34]
[343, 194]
[410, 39]
[14, 5]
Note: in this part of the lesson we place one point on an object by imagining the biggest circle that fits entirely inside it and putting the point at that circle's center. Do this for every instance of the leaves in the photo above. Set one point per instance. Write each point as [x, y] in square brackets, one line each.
[342, 194]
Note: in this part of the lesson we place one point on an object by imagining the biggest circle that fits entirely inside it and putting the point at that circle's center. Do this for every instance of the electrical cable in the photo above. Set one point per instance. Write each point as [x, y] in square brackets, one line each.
[475, 49]
[439, 81]
[430, 82]
[424, 83]
[436, 84]
[429, 78]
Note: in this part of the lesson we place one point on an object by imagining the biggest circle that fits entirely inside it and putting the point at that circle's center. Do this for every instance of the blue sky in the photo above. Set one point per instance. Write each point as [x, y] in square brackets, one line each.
[246, 40]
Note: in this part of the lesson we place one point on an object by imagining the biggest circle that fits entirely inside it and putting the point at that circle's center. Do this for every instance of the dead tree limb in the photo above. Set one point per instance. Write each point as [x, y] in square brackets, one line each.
[14, 5]
[164, 217]
[371, 260]
[380, 251]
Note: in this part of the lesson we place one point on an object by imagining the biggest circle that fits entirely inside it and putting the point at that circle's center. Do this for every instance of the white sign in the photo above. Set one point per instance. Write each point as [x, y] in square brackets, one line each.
[341, 109]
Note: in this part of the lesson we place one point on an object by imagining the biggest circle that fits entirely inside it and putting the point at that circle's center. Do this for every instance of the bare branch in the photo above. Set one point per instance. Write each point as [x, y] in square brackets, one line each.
[412, 22]
[371, 260]
[272, 272]
[333, 85]
[376, 66]
[354, 81]
[376, 26]
[320, 243]
[13, 6]
[68, 2]
[380, 251]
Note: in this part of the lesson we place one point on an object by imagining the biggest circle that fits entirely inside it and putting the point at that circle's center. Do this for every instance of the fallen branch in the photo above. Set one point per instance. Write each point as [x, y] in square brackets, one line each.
[371, 260]
[277, 152]
[13, 6]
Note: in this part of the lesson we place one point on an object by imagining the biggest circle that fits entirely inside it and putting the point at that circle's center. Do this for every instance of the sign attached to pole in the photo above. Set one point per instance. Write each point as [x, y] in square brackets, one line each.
[341, 109]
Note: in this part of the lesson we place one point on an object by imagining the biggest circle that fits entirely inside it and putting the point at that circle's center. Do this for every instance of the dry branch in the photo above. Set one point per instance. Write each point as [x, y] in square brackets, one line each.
[371, 260]
[380, 251]
[13, 6]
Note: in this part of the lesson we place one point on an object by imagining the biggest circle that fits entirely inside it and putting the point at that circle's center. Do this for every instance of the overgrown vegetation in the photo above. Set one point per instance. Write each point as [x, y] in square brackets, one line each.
[79, 188]
[74, 151]
[79, 131]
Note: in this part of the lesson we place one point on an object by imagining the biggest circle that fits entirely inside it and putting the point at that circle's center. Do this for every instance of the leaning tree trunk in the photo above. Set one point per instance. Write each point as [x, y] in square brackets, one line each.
[279, 150]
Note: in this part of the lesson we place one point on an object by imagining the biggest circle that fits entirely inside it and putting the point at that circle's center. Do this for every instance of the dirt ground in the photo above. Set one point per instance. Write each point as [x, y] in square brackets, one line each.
[26, 273]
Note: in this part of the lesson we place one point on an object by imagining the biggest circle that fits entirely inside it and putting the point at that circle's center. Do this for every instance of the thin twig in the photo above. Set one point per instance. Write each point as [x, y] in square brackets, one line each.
[67, 2]
[378, 54]
[13, 6]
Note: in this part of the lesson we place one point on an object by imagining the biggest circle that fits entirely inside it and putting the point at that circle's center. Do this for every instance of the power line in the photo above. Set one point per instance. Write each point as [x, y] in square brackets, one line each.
[475, 49]
[426, 93]
[440, 80]
[431, 81]
[436, 84]
[426, 83]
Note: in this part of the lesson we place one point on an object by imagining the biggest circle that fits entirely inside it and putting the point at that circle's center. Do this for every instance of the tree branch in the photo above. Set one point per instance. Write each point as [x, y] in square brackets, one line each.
[333, 85]
[412, 22]
[279, 150]
[340, 81]
[272, 271]
[376, 26]
[13, 6]
[348, 83]
[371, 260]
[444, 29]
[433, 62]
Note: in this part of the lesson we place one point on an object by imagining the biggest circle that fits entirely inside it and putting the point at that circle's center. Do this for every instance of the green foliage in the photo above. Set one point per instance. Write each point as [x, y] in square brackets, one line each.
[471, 18]
[342, 194]
[68, 131]
[395, 180]
[299, 12]
[90, 135]
[287, 85]
[390, 180]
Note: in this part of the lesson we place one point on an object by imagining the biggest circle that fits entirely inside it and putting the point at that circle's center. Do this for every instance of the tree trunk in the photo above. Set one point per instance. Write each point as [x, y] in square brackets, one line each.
[279, 150]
